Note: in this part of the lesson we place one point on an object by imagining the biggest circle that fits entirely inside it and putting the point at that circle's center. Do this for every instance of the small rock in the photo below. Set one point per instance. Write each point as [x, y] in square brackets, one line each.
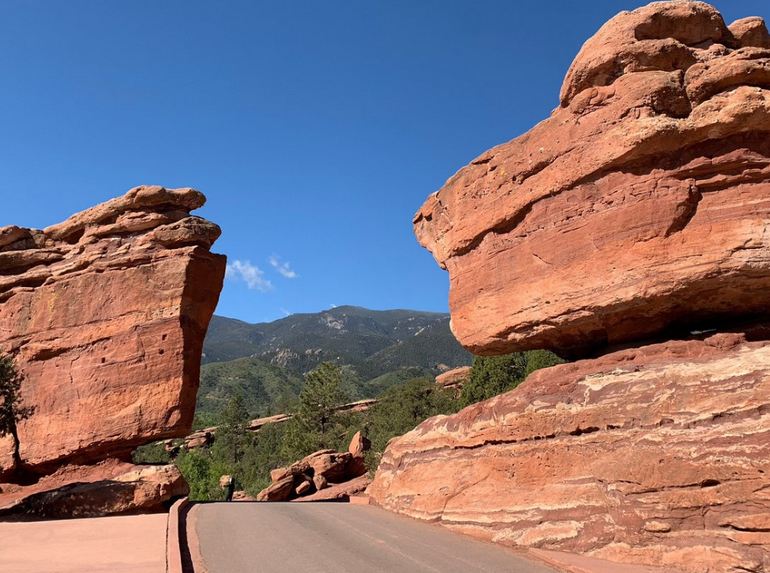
[303, 488]
[359, 444]
[280, 490]
[655, 526]
[320, 482]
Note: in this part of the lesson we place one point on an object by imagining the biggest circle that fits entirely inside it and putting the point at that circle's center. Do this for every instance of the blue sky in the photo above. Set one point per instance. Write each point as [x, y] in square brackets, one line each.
[316, 129]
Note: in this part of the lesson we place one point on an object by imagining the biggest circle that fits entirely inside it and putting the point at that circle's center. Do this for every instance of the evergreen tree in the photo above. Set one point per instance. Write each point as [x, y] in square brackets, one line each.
[231, 438]
[314, 424]
[11, 409]
[493, 375]
[400, 409]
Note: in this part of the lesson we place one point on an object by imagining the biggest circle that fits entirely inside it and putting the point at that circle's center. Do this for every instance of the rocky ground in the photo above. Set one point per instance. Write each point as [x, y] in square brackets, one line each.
[325, 475]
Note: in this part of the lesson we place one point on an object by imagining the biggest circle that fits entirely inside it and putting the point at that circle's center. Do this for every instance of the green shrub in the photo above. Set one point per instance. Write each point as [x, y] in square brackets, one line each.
[494, 375]
[154, 453]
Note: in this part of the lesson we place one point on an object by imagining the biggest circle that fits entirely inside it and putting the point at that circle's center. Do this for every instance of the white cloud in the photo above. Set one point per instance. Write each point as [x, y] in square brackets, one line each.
[283, 267]
[252, 275]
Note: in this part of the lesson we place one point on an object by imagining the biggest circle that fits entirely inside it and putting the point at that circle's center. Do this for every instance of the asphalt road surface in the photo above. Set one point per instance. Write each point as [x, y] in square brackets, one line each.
[339, 538]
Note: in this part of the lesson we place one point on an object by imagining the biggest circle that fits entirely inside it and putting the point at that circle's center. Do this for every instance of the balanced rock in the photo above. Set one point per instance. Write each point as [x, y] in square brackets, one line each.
[639, 209]
[657, 456]
[105, 315]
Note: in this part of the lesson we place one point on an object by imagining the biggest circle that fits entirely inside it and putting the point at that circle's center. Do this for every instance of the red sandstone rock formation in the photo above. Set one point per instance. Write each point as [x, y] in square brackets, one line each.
[638, 208]
[108, 487]
[454, 379]
[658, 455]
[339, 492]
[105, 314]
[313, 474]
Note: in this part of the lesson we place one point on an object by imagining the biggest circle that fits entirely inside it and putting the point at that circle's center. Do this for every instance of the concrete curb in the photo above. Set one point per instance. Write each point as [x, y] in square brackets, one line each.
[177, 550]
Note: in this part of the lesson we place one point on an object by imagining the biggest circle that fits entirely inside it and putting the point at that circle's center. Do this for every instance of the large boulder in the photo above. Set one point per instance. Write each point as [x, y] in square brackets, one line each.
[105, 315]
[639, 209]
[638, 212]
[658, 455]
[108, 487]
[319, 471]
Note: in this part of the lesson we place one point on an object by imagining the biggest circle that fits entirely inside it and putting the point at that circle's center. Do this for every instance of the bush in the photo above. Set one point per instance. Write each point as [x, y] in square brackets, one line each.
[12, 409]
[154, 453]
[494, 375]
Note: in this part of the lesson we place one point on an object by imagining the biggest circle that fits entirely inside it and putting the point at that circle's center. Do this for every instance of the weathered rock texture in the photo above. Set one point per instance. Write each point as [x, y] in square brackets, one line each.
[658, 455]
[454, 379]
[325, 469]
[108, 487]
[105, 314]
[638, 209]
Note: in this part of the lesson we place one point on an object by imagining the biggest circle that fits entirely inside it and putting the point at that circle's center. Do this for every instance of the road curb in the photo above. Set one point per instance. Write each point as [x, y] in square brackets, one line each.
[175, 524]
[182, 554]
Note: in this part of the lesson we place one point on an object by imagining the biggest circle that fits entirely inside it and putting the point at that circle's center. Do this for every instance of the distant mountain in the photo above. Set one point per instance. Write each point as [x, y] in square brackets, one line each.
[266, 361]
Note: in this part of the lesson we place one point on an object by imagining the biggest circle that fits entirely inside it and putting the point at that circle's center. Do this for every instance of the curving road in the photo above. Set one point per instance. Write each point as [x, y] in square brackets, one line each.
[339, 538]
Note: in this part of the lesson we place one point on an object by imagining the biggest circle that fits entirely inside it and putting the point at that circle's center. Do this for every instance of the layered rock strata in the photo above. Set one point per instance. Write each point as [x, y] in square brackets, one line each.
[639, 209]
[109, 487]
[105, 315]
[658, 455]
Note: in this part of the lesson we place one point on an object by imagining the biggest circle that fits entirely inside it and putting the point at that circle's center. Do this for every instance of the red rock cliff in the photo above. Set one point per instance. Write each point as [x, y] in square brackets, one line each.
[638, 208]
[657, 456]
[106, 315]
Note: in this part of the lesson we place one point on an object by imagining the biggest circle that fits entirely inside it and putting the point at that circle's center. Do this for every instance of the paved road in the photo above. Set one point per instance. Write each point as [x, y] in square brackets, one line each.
[339, 538]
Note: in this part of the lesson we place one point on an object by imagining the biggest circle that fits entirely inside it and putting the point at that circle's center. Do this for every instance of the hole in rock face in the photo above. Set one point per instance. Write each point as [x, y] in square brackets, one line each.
[74, 237]
[104, 360]
[161, 351]
[164, 337]
[710, 482]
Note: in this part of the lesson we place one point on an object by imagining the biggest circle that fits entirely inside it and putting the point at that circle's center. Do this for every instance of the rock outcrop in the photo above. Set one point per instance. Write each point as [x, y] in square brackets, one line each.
[110, 487]
[105, 315]
[311, 476]
[658, 455]
[454, 379]
[638, 210]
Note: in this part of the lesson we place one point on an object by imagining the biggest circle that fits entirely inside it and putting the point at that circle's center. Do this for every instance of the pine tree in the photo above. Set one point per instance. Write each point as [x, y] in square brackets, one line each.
[11, 409]
[312, 427]
[493, 375]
